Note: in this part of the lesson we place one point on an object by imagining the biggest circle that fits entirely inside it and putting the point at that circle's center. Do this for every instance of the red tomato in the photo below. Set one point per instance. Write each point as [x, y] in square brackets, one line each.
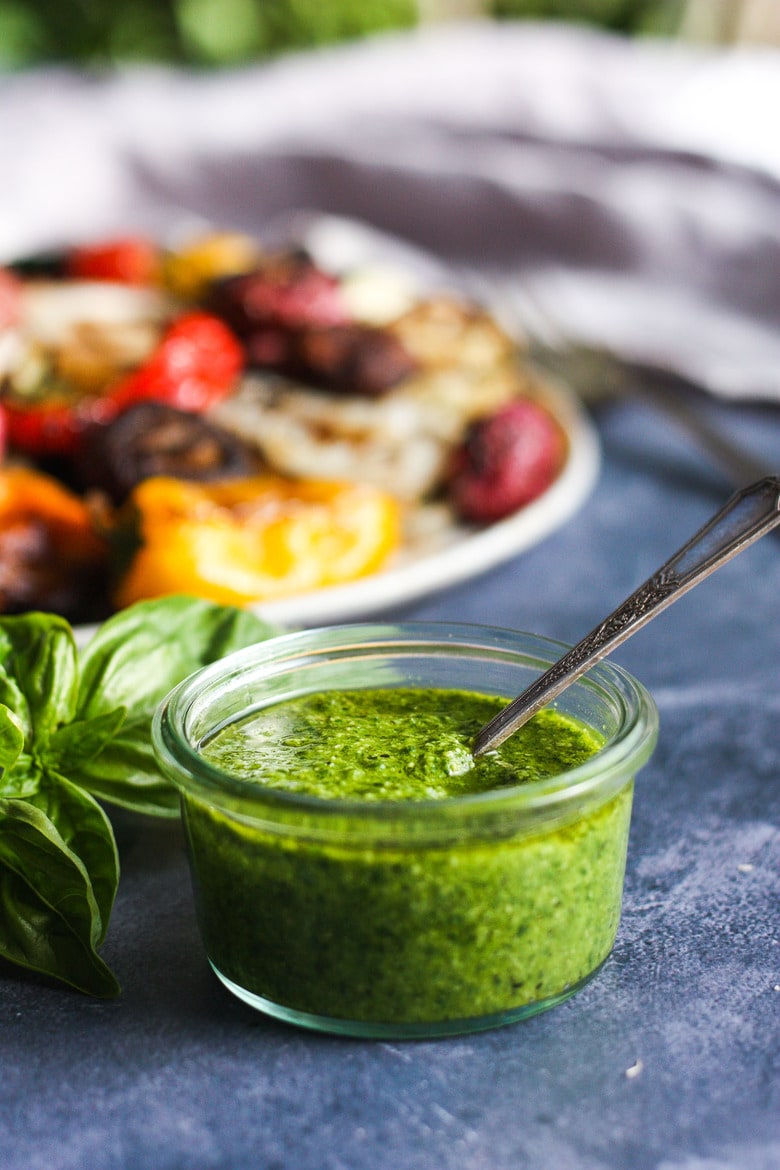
[195, 365]
[53, 427]
[127, 259]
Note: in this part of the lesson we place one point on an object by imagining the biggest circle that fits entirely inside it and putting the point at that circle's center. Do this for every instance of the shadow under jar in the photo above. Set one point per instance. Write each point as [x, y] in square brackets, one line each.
[404, 918]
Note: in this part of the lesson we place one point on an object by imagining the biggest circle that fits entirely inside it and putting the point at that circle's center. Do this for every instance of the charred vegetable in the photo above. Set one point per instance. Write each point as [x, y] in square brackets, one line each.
[151, 439]
[293, 318]
[354, 359]
[51, 557]
[285, 291]
[190, 269]
[506, 461]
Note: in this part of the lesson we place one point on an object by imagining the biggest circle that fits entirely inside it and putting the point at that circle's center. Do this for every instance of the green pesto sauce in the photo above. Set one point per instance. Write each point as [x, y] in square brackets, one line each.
[409, 935]
[395, 744]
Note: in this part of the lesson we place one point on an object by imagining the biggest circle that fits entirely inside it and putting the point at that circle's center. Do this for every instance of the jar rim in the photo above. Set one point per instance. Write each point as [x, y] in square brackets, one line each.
[621, 756]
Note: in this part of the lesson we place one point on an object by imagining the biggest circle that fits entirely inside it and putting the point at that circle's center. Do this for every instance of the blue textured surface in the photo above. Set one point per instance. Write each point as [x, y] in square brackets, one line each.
[669, 1060]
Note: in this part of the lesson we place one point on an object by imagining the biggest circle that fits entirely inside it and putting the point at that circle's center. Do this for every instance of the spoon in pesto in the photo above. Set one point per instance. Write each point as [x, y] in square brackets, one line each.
[748, 515]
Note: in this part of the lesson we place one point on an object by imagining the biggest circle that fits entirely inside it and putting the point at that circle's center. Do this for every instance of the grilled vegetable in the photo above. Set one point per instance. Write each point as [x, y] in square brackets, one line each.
[152, 439]
[195, 366]
[350, 359]
[51, 557]
[127, 259]
[189, 270]
[285, 291]
[506, 461]
[252, 539]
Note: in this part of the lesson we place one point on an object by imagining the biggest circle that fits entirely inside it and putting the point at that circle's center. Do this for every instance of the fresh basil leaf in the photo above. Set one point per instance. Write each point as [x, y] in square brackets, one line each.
[74, 743]
[11, 738]
[86, 830]
[39, 653]
[49, 917]
[10, 692]
[23, 779]
[135, 658]
[125, 772]
[139, 654]
[60, 738]
[20, 774]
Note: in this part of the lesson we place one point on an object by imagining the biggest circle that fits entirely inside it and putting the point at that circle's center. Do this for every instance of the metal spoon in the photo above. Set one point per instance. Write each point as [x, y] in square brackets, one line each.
[747, 515]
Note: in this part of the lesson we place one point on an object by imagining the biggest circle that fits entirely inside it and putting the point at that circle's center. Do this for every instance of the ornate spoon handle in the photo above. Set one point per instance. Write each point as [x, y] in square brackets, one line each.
[748, 515]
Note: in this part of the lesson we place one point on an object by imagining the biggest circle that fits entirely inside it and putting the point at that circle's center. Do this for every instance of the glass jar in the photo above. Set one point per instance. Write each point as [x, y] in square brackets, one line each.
[405, 918]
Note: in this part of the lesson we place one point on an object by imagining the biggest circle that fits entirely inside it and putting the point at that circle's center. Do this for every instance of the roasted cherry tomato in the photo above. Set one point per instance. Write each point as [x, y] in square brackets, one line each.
[506, 461]
[194, 366]
[127, 259]
[53, 425]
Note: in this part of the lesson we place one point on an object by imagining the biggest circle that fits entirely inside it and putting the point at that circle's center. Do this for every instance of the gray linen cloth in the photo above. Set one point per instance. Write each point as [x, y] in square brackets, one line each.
[630, 191]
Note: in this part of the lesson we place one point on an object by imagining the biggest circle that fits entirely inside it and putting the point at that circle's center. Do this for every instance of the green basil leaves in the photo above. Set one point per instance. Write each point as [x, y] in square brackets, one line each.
[74, 728]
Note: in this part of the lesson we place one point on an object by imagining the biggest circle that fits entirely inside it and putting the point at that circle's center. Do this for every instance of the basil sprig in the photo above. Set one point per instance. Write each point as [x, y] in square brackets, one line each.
[75, 728]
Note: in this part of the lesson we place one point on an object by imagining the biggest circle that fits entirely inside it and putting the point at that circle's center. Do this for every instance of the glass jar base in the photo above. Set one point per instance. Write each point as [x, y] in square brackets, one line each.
[398, 1030]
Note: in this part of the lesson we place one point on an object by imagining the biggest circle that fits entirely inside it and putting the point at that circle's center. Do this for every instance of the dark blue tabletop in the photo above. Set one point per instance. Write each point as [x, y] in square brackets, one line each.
[669, 1060]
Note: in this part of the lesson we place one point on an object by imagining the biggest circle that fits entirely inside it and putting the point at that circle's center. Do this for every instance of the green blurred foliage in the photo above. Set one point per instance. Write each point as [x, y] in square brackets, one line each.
[624, 16]
[227, 32]
[195, 32]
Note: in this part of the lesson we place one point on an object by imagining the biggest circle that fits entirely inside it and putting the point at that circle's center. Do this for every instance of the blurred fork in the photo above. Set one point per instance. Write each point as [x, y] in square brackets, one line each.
[598, 374]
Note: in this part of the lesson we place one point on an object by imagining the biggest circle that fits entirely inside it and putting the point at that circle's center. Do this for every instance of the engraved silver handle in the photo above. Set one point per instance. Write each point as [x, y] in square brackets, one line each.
[746, 517]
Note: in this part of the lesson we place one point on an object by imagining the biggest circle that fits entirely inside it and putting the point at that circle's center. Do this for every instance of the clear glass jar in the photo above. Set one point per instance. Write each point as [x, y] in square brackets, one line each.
[405, 918]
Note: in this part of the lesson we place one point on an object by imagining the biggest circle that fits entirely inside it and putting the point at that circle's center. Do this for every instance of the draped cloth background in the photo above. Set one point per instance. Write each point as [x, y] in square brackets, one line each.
[632, 188]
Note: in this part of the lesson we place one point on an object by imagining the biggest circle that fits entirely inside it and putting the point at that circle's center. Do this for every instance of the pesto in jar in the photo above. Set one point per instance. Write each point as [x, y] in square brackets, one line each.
[394, 744]
[323, 923]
